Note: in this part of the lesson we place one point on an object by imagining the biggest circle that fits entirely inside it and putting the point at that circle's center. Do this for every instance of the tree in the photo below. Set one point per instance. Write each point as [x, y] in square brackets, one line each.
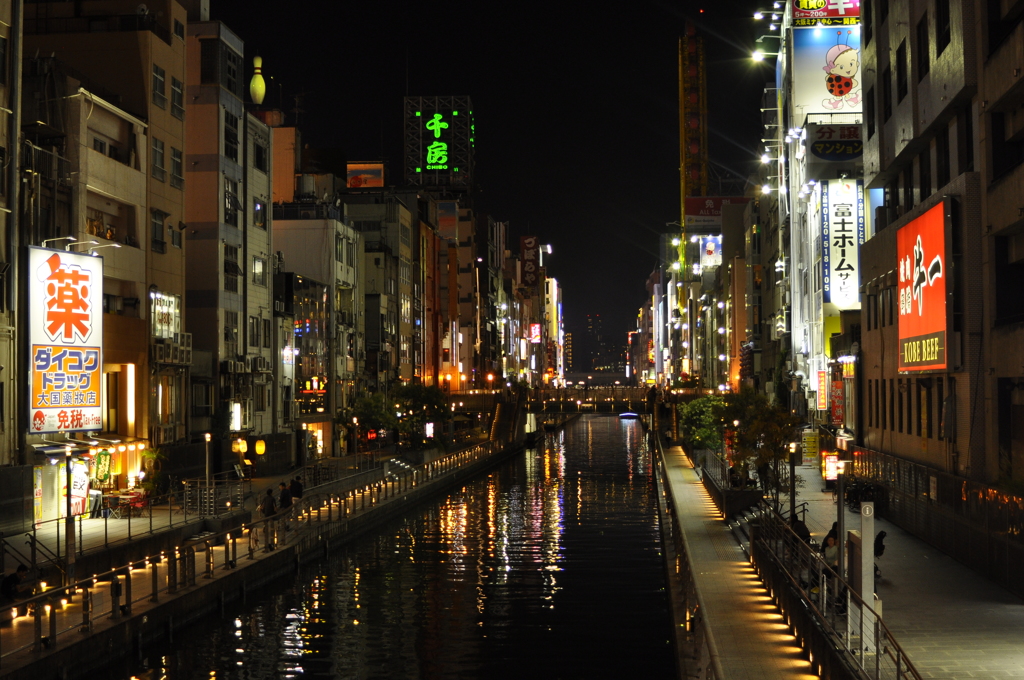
[373, 412]
[761, 432]
[700, 422]
[419, 405]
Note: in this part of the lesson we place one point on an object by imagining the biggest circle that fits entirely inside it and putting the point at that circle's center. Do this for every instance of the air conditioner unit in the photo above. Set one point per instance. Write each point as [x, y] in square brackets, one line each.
[279, 306]
[160, 353]
[186, 340]
[239, 367]
[186, 356]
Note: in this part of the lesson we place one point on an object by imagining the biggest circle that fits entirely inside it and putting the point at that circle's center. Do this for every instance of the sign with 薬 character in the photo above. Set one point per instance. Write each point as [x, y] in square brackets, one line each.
[921, 248]
[65, 298]
[842, 233]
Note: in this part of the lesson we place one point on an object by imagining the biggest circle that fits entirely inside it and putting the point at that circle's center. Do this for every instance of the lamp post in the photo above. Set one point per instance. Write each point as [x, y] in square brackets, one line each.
[207, 460]
[840, 520]
[69, 521]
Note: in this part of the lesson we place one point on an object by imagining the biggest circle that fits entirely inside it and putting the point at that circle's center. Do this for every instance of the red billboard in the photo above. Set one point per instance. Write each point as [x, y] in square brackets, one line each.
[921, 251]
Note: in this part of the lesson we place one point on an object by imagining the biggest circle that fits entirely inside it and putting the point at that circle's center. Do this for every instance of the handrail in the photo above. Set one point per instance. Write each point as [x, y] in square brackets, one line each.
[790, 554]
[179, 567]
[709, 638]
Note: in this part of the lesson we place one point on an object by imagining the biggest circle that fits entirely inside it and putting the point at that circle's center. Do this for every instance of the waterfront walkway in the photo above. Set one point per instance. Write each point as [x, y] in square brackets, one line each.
[751, 638]
[952, 622]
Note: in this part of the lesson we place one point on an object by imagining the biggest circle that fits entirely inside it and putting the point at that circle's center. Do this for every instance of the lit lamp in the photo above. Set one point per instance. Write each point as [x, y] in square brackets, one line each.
[207, 437]
[261, 447]
[69, 531]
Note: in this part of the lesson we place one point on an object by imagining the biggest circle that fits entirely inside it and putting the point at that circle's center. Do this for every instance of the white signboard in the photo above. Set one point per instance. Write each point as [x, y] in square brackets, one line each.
[842, 233]
[65, 298]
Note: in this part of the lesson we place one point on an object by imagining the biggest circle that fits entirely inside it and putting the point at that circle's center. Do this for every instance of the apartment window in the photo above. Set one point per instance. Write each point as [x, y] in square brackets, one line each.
[966, 141]
[231, 269]
[99, 145]
[910, 406]
[865, 16]
[177, 169]
[177, 98]
[886, 94]
[920, 408]
[339, 248]
[3, 61]
[892, 404]
[908, 188]
[157, 226]
[1009, 253]
[159, 87]
[924, 169]
[259, 271]
[230, 333]
[209, 58]
[940, 430]
[259, 401]
[942, 163]
[254, 331]
[175, 237]
[899, 404]
[881, 406]
[266, 333]
[869, 111]
[929, 412]
[883, 11]
[179, 29]
[159, 173]
[1007, 154]
[901, 72]
[259, 157]
[230, 136]
[230, 202]
[923, 54]
[259, 214]
[232, 67]
[942, 26]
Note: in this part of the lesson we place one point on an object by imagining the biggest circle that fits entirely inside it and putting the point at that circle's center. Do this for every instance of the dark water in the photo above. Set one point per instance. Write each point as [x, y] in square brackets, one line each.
[550, 567]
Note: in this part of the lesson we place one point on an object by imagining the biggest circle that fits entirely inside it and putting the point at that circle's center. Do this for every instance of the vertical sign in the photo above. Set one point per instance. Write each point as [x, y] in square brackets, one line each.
[842, 233]
[529, 248]
[65, 297]
[921, 248]
[838, 403]
[535, 334]
[822, 390]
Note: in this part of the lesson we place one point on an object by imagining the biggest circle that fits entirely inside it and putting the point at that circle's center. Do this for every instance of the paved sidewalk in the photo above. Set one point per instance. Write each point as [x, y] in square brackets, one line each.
[749, 632]
[951, 621]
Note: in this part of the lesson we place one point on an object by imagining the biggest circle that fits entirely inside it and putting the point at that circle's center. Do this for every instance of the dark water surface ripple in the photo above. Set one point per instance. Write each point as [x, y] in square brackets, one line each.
[550, 567]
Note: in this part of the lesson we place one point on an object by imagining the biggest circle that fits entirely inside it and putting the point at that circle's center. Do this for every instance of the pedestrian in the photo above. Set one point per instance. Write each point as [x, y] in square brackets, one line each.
[831, 552]
[800, 529]
[14, 584]
[284, 501]
[296, 488]
[832, 533]
[268, 507]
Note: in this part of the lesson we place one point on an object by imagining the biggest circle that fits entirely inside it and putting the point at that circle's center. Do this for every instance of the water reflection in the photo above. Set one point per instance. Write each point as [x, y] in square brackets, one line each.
[549, 567]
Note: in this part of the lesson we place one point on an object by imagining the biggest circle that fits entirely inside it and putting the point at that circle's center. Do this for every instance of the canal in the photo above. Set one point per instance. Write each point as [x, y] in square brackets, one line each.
[548, 567]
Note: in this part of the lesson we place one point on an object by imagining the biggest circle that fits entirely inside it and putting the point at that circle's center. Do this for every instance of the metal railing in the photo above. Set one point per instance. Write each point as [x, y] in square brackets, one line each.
[698, 648]
[813, 598]
[74, 608]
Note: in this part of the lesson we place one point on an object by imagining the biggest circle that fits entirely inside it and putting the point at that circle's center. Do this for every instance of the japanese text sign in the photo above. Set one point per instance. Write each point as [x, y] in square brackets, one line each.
[529, 250]
[822, 390]
[535, 333]
[842, 233]
[831, 461]
[65, 292]
[921, 248]
[838, 403]
[825, 12]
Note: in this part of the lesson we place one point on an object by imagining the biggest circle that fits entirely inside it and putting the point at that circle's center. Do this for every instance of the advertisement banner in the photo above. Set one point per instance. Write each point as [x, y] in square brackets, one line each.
[704, 213]
[842, 233]
[710, 251]
[838, 397]
[921, 248]
[826, 70]
[826, 12]
[831, 465]
[810, 447]
[535, 336]
[365, 175]
[65, 298]
[529, 250]
[830, 144]
[822, 390]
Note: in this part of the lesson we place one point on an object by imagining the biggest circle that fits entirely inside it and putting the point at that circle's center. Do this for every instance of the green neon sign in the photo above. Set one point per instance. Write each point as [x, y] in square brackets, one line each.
[437, 151]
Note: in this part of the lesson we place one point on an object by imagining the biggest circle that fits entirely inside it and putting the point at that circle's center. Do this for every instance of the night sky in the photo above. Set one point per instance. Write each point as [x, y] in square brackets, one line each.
[575, 111]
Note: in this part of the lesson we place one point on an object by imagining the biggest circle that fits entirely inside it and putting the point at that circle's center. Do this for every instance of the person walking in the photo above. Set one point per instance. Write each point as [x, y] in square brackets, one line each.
[268, 506]
[284, 501]
[296, 488]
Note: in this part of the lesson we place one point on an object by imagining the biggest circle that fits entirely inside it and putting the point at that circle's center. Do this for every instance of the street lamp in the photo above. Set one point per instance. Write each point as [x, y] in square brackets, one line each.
[207, 436]
[81, 243]
[758, 55]
[92, 251]
[58, 238]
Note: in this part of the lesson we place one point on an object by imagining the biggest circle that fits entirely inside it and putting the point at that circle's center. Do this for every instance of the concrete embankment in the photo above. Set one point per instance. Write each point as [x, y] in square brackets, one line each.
[335, 514]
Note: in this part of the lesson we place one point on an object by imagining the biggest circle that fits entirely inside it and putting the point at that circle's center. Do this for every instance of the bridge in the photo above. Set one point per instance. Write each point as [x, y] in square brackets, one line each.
[604, 399]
